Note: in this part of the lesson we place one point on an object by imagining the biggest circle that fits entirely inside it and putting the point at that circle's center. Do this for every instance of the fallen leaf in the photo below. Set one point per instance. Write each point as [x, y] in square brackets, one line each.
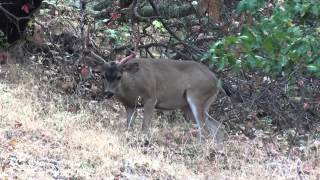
[85, 72]
[13, 142]
[4, 166]
[3, 57]
[26, 8]
[115, 15]
[17, 124]
[196, 28]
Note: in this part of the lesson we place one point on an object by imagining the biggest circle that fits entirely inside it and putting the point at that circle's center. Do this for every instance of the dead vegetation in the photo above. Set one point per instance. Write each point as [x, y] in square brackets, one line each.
[41, 138]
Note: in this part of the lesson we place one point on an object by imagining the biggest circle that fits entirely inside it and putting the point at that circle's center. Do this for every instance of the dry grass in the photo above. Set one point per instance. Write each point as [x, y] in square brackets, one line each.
[41, 138]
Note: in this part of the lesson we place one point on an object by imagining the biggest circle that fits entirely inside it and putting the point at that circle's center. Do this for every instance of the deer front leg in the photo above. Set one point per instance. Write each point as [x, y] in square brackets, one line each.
[148, 113]
[131, 115]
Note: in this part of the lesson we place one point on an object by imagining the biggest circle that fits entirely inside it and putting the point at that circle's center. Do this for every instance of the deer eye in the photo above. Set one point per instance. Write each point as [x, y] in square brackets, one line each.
[118, 78]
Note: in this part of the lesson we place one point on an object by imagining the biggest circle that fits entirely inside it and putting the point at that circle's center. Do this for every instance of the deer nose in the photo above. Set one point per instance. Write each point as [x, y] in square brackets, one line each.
[108, 94]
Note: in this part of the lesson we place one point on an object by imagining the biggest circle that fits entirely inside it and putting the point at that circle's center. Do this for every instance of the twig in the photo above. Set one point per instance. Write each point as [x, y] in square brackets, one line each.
[156, 10]
[97, 56]
[147, 46]
[14, 19]
[82, 12]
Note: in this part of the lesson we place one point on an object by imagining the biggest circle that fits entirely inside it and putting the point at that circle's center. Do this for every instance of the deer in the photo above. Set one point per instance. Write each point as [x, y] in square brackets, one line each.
[163, 84]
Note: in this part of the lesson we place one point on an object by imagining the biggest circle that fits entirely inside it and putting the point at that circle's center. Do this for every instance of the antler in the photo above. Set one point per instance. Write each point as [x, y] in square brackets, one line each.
[126, 59]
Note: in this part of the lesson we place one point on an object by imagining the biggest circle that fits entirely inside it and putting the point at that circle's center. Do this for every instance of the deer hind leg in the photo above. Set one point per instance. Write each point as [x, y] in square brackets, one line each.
[148, 113]
[197, 109]
[187, 112]
[213, 125]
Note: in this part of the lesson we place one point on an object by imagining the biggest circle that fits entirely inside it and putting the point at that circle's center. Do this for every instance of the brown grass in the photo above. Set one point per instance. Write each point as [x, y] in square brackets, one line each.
[40, 138]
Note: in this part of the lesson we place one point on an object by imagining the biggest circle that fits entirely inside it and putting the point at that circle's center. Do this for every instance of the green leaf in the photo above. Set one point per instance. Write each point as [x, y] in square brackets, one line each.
[315, 10]
[231, 40]
[221, 63]
[313, 68]
[283, 61]
[268, 45]
[252, 61]
[231, 59]
[250, 6]
[280, 36]
[158, 25]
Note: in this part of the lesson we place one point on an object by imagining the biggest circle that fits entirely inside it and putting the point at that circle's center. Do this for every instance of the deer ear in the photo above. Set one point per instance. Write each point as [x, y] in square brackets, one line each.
[130, 67]
[99, 68]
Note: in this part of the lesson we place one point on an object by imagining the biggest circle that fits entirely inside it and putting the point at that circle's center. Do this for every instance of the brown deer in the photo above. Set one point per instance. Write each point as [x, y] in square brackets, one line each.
[163, 84]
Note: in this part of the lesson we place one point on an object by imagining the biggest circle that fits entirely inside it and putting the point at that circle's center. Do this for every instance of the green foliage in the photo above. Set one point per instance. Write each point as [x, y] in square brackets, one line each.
[119, 35]
[288, 40]
[159, 26]
[250, 6]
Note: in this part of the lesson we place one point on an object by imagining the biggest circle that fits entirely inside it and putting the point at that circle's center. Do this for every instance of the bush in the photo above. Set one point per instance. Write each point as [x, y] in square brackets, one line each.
[287, 41]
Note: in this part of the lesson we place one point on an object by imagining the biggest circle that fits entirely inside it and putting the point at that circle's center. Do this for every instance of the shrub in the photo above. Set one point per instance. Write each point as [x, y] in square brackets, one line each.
[287, 41]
